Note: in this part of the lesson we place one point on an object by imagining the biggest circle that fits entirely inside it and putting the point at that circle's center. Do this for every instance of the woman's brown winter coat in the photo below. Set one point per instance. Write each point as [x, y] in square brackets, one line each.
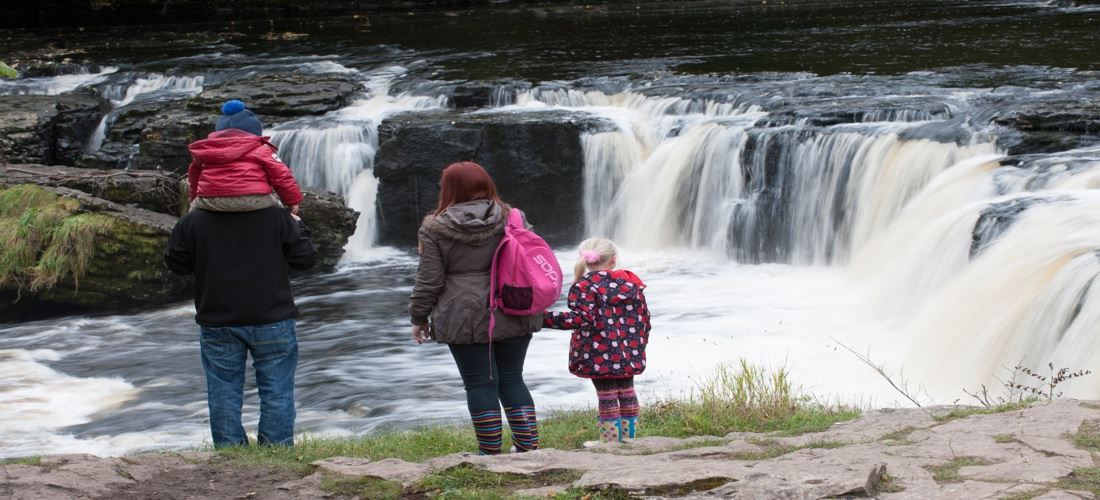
[452, 282]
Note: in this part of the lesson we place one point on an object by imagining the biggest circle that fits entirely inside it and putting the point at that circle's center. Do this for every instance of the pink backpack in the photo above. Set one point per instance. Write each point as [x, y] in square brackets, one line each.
[525, 278]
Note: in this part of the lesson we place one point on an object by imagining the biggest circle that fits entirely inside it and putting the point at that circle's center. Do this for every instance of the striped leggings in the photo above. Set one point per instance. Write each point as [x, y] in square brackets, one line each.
[617, 398]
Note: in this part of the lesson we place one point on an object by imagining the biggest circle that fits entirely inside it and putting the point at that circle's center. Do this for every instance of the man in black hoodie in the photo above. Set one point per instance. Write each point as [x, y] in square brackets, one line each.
[241, 262]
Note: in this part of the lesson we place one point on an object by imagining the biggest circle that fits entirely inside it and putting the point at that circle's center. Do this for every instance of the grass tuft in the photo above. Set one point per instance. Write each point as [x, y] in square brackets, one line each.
[899, 437]
[1005, 438]
[36, 460]
[949, 472]
[70, 251]
[414, 445]
[889, 484]
[1087, 436]
[966, 411]
[362, 487]
[42, 240]
[14, 201]
[750, 399]
[1081, 479]
[468, 481]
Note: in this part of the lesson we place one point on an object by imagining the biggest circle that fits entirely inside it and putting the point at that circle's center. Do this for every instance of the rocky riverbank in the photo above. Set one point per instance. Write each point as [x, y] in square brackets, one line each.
[1043, 451]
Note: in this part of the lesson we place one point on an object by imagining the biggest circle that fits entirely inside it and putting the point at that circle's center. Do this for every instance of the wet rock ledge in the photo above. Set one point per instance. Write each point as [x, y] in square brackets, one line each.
[81, 240]
[1044, 451]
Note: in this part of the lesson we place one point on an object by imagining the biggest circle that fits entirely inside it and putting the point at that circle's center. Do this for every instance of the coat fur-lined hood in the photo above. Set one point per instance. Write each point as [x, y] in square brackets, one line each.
[472, 222]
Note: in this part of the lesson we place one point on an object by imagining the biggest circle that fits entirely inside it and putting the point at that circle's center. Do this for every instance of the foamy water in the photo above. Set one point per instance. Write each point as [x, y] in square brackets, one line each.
[359, 370]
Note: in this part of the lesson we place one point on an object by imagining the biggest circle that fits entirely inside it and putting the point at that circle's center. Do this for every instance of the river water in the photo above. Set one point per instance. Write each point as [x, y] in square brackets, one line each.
[766, 228]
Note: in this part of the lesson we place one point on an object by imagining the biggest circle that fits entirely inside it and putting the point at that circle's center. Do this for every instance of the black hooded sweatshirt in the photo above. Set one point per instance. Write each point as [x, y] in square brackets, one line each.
[241, 262]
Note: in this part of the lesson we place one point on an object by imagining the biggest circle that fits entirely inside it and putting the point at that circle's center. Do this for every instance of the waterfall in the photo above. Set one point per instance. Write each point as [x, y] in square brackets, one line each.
[54, 85]
[152, 86]
[705, 174]
[180, 85]
[336, 152]
[993, 265]
[1029, 298]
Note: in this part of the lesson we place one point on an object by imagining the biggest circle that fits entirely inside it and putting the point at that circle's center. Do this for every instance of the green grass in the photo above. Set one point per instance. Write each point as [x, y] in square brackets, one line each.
[660, 491]
[466, 481]
[889, 485]
[1081, 479]
[414, 445]
[899, 437]
[362, 487]
[749, 399]
[1087, 436]
[37, 460]
[1004, 438]
[1027, 495]
[43, 240]
[967, 411]
[70, 250]
[591, 494]
[949, 472]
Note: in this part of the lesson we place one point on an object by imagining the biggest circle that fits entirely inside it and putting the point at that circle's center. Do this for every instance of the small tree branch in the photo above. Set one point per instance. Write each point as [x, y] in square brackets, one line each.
[902, 389]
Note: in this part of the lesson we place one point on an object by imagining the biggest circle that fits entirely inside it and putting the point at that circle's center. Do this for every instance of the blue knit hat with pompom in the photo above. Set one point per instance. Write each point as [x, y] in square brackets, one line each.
[235, 115]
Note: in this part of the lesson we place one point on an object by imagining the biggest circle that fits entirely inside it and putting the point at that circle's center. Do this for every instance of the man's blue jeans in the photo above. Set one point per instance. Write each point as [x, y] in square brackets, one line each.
[274, 351]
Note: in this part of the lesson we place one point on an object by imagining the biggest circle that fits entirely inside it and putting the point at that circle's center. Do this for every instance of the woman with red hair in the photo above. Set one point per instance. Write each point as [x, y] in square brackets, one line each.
[457, 243]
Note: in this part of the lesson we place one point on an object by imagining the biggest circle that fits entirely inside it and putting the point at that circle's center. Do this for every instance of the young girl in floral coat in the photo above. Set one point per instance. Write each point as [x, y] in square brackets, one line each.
[610, 322]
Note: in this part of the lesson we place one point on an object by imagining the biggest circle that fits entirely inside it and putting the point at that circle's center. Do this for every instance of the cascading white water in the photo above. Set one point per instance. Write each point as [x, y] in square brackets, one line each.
[54, 85]
[699, 174]
[992, 266]
[154, 85]
[186, 85]
[336, 153]
[1032, 299]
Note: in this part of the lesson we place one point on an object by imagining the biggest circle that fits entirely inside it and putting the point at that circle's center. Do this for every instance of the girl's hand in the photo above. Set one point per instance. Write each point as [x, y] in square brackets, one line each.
[420, 334]
[294, 209]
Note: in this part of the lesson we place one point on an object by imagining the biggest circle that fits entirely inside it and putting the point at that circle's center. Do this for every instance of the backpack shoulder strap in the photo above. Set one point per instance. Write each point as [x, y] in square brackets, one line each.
[515, 218]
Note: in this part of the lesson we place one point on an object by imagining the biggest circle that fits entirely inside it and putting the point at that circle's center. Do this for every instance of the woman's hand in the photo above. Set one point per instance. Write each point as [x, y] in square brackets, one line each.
[294, 209]
[420, 334]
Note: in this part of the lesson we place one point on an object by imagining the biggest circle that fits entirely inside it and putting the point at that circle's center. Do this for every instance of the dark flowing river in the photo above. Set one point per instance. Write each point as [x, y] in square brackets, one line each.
[902, 190]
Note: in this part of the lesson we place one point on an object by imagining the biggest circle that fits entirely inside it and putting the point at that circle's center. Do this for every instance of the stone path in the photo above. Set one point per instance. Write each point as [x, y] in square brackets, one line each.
[894, 454]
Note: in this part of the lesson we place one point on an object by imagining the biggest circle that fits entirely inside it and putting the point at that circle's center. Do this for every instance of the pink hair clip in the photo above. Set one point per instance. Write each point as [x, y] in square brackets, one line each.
[591, 256]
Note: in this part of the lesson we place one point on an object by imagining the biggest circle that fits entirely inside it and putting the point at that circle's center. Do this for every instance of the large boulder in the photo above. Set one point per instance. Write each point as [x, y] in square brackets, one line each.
[536, 160]
[331, 224]
[66, 251]
[47, 129]
[147, 189]
[287, 95]
[154, 135]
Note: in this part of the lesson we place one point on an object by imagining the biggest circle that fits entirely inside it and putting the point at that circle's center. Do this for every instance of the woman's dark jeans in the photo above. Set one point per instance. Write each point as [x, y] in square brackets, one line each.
[506, 386]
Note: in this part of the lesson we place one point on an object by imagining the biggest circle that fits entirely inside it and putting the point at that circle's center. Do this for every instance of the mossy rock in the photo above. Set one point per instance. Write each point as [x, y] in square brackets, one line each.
[65, 250]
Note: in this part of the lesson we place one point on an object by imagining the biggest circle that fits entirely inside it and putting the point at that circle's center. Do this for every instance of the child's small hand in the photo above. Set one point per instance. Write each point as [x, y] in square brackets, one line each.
[294, 209]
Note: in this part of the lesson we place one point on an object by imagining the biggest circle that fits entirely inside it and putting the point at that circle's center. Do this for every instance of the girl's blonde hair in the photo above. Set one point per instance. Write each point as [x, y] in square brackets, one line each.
[594, 252]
